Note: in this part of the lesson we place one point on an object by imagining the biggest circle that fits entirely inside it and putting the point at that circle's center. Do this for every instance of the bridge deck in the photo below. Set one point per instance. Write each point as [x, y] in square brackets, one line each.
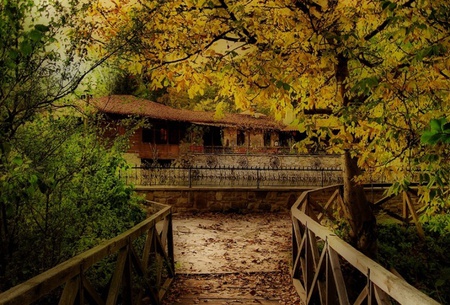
[232, 259]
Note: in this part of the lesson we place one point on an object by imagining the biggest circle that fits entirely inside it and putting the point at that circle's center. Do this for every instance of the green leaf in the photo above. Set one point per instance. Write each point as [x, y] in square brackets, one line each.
[436, 125]
[385, 4]
[17, 160]
[36, 35]
[42, 28]
[26, 48]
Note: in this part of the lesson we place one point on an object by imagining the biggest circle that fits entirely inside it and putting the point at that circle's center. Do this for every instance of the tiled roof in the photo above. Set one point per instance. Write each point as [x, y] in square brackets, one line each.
[131, 105]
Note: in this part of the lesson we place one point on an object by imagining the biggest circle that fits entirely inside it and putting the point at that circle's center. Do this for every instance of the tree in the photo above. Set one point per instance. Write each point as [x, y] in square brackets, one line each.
[63, 195]
[375, 71]
[43, 59]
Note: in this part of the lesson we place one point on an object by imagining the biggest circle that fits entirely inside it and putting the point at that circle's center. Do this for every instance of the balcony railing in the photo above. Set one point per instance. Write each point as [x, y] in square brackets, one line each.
[222, 150]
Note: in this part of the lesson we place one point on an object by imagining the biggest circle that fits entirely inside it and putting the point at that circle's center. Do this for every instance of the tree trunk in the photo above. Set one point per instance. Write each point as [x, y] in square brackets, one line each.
[358, 210]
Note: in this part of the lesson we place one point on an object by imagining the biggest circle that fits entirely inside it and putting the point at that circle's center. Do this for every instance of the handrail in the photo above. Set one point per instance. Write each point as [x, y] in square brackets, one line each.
[158, 244]
[317, 274]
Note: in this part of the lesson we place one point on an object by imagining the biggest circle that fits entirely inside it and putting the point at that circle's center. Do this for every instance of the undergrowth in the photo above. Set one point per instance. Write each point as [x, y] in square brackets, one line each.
[422, 263]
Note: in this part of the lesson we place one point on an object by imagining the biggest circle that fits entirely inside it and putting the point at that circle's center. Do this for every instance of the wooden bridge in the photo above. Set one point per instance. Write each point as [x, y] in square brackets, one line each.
[142, 260]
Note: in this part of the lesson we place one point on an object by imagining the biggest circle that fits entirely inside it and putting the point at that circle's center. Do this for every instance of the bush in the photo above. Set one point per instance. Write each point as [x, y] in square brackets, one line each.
[60, 194]
[423, 263]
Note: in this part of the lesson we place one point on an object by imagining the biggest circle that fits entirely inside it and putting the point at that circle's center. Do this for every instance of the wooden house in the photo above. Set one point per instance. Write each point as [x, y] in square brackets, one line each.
[171, 132]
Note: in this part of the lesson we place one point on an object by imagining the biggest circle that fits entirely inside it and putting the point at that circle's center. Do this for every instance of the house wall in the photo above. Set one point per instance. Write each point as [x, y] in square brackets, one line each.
[253, 138]
[260, 156]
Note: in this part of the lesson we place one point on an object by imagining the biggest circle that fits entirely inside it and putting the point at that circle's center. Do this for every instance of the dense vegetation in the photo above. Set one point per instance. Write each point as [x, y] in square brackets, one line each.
[423, 263]
[59, 187]
[62, 195]
[367, 75]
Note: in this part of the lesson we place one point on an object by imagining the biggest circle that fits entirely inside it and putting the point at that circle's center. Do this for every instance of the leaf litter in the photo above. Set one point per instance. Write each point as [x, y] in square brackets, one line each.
[232, 259]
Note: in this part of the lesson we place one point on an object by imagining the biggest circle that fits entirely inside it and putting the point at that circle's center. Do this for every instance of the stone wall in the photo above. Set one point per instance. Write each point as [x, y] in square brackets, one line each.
[223, 200]
[185, 200]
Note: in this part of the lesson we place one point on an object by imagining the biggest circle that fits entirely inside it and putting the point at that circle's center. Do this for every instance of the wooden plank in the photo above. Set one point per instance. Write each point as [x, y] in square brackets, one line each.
[298, 203]
[397, 288]
[308, 268]
[338, 277]
[330, 285]
[116, 281]
[296, 260]
[316, 260]
[383, 200]
[46, 282]
[419, 228]
[299, 288]
[91, 292]
[327, 205]
[405, 211]
[362, 296]
[127, 278]
[170, 244]
[147, 247]
[164, 288]
[70, 292]
[319, 267]
[381, 296]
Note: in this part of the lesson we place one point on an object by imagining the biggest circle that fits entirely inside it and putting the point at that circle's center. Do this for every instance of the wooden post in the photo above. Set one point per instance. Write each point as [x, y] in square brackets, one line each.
[419, 228]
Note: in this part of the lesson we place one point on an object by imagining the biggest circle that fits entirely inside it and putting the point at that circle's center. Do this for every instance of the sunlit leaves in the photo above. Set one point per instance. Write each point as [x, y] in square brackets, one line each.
[382, 67]
[439, 132]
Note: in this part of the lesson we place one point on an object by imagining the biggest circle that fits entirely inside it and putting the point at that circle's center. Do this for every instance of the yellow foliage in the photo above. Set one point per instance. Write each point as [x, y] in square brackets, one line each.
[383, 69]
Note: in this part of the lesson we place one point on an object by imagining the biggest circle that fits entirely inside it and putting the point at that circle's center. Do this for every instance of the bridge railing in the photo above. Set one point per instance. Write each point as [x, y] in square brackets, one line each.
[319, 258]
[141, 260]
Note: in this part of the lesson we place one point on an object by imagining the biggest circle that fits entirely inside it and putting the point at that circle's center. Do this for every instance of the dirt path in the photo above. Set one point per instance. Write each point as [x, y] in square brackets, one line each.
[232, 259]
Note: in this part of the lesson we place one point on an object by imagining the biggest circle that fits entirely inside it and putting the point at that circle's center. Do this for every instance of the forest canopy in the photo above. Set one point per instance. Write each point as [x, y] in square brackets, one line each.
[370, 75]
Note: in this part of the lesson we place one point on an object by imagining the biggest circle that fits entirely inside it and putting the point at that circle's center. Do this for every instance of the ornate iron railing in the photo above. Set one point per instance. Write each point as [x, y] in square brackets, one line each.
[142, 263]
[232, 176]
[319, 258]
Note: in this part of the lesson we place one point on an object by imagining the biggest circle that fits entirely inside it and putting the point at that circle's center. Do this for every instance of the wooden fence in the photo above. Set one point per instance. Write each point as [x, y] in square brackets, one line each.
[319, 258]
[135, 277]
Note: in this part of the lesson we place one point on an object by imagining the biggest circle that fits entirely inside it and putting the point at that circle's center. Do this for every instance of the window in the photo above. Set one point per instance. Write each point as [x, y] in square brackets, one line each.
[174, 136]
[162, 135]
[267, 138]
[240, 137]
[147, 135]
[212, 136]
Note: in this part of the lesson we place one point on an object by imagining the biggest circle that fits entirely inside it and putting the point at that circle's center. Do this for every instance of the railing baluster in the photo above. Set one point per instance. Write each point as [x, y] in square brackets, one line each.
[76, 286]
[382, 286]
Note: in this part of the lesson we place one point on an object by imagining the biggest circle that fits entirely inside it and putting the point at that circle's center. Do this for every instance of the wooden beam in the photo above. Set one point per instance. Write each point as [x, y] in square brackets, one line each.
[44, 283]
[362, 296]
[70, 292]
[383, 200]
[397, 288]
[325, 208]
[337, 276]
[299, 288]
[419, 228]
[320, 265]
[91, 293]
[116, 281]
